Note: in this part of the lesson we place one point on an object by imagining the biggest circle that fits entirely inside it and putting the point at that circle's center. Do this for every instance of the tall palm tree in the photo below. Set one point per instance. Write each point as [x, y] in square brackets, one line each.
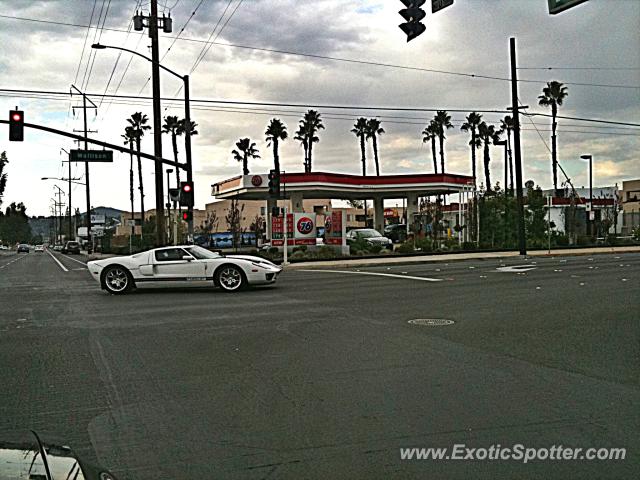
[129, 139]
[430, 134]
[246, 149]
[471, 125]
[488, 134]
[506, 125]
[275, 132]
[301, 136]
[443, 121]
[360, 131]
[138, 123]
[373, 130]
[311, 124]
[552, 96]
[172, 125]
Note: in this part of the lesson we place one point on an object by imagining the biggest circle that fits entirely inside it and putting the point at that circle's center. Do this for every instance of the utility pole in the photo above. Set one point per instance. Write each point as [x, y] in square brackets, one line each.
[86, 164]
[522, 239]
[157, 132]
[187, 149]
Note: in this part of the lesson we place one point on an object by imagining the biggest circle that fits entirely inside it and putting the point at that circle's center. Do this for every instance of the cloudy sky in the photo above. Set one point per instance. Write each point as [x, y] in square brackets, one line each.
[595, 43]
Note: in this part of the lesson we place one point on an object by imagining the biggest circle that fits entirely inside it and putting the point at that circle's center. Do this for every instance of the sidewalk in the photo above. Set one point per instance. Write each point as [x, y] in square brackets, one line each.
[448, 257]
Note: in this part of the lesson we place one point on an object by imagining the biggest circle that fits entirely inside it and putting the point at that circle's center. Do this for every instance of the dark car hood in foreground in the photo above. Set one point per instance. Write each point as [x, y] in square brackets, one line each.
[21, 459]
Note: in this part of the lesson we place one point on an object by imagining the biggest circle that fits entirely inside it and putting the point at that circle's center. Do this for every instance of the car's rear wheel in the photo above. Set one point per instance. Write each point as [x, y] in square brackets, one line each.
[117, 280]
[230, 278]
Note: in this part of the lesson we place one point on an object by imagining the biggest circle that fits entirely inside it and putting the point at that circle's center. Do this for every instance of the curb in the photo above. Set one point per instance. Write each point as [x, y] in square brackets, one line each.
[458, 257]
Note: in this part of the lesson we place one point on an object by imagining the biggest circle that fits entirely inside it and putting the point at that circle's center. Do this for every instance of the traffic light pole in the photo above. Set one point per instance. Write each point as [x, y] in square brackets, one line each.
[522, 239]
[187, 147]
[157, 131]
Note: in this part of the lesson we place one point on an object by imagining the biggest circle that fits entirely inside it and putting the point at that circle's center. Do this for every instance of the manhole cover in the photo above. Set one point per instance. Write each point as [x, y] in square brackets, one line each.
[431, 322]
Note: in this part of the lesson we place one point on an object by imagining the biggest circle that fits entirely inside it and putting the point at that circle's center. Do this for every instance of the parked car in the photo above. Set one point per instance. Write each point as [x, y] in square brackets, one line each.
[57, 248]
[396, 232]
[4, 247]
[23, 248]
[369, 235]
[71, 247]
[39, 248]
[187, 265]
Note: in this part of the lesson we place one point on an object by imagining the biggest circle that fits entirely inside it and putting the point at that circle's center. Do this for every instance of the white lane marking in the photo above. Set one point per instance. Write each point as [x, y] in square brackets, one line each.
[64, 269]
[13, 261]
[516, 269]
[424, 279]
[70, 258]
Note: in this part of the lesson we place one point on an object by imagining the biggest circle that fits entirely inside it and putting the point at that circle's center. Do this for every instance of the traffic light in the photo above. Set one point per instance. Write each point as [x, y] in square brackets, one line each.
[174, 194]
[187, 216]
[16, 125]
[186, 194]
[274, 183]
[412, 14]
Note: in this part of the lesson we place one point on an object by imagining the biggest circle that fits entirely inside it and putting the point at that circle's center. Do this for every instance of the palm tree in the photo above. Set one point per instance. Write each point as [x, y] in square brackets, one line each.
[506, 125]
[311, 124]
[552, 96]
[138, 123]
[172, 125]
[360, 131]
[443, 122]
[301, 136]
[488, 135]
[373, 130]
[276, 131]
[129, 138]
[248, 149]
[429, 133]
[471, 125]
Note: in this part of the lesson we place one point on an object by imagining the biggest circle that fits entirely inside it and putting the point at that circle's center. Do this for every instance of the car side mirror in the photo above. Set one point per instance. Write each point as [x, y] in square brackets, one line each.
[188, 258]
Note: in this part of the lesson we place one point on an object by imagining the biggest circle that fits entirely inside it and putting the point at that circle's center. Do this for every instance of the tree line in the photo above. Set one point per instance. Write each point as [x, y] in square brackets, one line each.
[483, 135]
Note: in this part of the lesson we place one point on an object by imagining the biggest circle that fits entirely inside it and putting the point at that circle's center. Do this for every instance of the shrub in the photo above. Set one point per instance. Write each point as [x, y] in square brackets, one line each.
[273, 251]
[424, 244]
[468, 246]
[406, 247]
[375, 248]
[326, 252]
[562, 240]
[300, 248]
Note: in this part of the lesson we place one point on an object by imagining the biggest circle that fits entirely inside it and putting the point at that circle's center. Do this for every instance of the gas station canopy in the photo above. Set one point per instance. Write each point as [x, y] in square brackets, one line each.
[342, 186]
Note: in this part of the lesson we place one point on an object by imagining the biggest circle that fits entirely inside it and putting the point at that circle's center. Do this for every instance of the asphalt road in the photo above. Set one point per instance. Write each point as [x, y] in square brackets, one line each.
[322, 376]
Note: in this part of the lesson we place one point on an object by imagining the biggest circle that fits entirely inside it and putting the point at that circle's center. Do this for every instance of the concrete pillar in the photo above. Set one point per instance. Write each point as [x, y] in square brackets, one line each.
[296, 202]
[271, 202]
[378, 214]
[412, 208]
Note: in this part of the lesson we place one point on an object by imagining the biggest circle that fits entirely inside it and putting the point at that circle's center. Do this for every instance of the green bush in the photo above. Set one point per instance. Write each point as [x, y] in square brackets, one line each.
[273, 251]
[298, 255]
[468, 246]
[375, 249]
[561, 240]
[406, 247]
[424, 244]
[300, 248]
[326, 252]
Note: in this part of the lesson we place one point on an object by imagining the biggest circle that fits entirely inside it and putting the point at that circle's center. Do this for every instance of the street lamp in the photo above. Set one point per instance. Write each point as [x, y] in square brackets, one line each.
[187, 121]
[590, 221]
[72, 180]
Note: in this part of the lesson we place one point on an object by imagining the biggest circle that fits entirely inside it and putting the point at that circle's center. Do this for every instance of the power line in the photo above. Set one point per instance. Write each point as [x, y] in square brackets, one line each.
[347, 60]
[578, 68]
[85, 41]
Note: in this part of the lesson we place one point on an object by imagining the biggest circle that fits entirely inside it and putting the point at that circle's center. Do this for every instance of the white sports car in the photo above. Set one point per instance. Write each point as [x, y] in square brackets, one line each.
[186, 265]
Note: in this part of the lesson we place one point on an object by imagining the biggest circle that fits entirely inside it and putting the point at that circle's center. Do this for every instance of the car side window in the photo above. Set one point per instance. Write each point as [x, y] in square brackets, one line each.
[169, 254]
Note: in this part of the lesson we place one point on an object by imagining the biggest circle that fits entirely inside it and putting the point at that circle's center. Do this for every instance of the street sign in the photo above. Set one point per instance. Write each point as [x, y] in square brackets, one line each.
[437, 5]
[91, 156]
[97, 219]
[557, 6]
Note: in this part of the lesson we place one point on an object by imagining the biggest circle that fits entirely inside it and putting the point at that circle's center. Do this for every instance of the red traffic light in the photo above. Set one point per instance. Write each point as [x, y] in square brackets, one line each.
[185, 216]
[186, 188]
[16, 117]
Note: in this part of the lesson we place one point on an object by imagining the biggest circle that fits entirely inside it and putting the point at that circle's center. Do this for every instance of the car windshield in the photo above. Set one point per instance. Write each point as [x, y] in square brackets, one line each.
[201, 253]
[368, 233]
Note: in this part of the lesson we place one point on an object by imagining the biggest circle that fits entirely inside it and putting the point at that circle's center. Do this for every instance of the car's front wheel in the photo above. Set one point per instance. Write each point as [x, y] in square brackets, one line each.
[230, 278]
[117, 280]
